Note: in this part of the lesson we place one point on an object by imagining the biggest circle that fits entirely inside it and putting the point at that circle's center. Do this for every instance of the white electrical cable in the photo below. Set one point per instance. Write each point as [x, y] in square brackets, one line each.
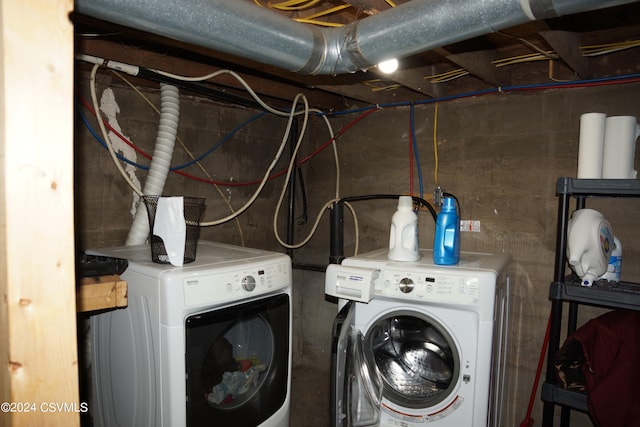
[186, 150]
[291, 114]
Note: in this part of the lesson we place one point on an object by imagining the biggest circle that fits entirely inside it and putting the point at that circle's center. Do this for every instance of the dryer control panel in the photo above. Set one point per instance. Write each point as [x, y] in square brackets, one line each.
[237, 284]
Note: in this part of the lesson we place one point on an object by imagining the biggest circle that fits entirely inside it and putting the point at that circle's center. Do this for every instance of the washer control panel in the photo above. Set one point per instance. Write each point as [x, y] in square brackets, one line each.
[244, 282]
[448, 288]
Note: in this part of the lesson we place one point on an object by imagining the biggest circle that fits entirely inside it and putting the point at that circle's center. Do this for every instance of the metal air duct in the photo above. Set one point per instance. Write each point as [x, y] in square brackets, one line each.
[244, 29]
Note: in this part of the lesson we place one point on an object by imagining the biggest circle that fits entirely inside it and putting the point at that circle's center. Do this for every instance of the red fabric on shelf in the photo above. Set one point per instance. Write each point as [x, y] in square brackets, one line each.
[611, 346]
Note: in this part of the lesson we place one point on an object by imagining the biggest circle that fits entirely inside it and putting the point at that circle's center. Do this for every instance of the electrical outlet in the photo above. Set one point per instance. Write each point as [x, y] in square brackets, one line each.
[437, 196]
[470, 225]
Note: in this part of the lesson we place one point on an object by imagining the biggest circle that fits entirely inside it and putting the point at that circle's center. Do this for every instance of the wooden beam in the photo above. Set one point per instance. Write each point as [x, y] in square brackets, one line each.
[38, 343]
[280, 87]
[567, 45]
[479, 64]
[101, 293]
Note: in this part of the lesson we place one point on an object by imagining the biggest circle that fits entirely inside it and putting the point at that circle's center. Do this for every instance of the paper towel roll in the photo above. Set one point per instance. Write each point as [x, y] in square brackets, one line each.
[620, 147]
[591, 145]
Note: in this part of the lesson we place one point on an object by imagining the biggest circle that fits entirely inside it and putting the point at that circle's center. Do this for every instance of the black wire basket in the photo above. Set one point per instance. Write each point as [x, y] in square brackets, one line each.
[193, 209]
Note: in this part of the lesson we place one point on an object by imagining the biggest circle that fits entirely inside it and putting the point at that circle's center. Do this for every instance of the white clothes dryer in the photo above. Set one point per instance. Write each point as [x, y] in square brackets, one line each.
[208, 343]
[419, 344]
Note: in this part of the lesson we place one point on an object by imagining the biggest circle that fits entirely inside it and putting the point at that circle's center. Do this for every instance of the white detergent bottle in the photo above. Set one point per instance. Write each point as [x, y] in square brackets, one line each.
[590, 242]
[403, 238]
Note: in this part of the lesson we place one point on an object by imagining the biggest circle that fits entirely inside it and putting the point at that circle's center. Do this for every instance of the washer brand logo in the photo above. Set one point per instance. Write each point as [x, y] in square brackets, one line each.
[356, 278]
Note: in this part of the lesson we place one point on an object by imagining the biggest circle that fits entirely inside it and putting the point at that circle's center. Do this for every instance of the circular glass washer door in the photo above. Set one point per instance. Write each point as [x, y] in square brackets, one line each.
[416, 357]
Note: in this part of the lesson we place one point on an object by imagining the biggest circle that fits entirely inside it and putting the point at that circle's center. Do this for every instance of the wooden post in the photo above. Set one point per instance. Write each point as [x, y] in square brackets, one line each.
[38, 347]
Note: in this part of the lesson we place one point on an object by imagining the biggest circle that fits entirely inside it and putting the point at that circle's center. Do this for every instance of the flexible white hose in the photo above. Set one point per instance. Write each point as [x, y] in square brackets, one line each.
[161, 160]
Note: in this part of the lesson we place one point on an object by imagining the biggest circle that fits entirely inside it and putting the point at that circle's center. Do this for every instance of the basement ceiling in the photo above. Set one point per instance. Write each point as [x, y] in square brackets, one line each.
[590, 45]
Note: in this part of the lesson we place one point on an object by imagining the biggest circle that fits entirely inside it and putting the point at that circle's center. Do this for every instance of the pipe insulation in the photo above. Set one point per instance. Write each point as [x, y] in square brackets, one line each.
[244, 29]
[160, 162]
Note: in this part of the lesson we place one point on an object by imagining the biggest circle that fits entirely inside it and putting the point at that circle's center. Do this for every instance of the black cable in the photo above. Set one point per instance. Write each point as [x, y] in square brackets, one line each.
[419, 200]
[303, 193]
[201, 89]
[337, 222]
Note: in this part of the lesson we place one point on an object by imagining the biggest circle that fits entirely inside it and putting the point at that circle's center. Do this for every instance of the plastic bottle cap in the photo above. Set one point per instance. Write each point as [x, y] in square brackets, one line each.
[448, 202]
[405, 202]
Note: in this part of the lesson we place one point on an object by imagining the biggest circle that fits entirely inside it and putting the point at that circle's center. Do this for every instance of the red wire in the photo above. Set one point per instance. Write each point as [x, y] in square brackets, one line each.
[528, 421]
[339, 134]
[233, 184]
[410, 159]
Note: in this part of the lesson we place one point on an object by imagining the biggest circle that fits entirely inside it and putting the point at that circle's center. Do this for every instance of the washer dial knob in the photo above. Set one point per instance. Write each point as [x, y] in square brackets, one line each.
[405, 285]
[248, 283]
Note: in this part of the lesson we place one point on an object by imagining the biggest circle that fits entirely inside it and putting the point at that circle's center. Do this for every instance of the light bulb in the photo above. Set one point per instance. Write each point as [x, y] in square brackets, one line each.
[388, 66]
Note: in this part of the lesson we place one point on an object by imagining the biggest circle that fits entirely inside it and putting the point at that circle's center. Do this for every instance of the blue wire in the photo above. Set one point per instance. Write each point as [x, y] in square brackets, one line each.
[104, 145]
[416, 154]
[486, 92]
[202, 156]
[378, 106]
[222, 141]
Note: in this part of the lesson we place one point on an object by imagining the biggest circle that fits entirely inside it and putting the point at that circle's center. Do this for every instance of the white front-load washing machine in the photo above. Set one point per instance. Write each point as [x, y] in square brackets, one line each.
[419, 344]
[205, 344]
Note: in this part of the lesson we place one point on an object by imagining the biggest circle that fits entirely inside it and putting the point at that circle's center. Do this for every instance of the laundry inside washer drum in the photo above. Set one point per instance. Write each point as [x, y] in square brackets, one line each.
[413, 358]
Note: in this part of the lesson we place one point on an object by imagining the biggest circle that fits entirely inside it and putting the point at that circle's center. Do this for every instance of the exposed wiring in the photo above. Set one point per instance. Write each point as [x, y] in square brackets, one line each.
[435, 145]
[293, 4]
[365, 112]
[291, 114]
[525, 58]
[272, 165]
[319, 23]
[410, 159]
[298, 5]
[104, 144]
[194, 160]
[378, 85]
[525, 42]
[175, 169]
[447, 76]
[605, 49]
[416, 153]
[326, 12]
[539, 55]
[105, 135]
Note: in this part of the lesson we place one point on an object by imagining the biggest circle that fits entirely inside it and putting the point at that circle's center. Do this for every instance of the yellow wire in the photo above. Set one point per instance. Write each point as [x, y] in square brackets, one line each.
[378, 85]
[288, 3]
[390, 3]
[326, 12]
[603, 49]
[294, 5]
[610, 45]
[435, 144]
[320, 23]
[447, 76]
